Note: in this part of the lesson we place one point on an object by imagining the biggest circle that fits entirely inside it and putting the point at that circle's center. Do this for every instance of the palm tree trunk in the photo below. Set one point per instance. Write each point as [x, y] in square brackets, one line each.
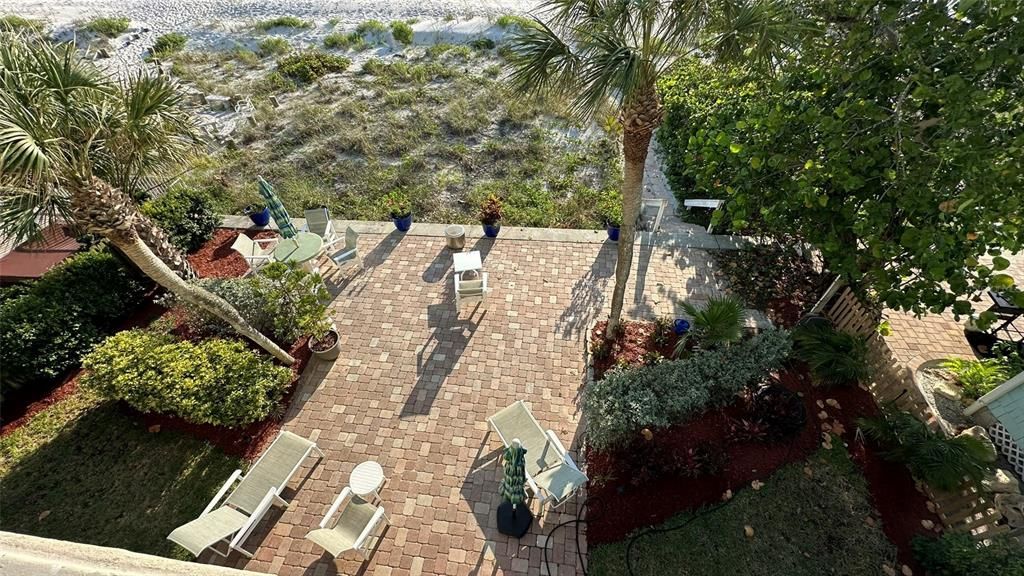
[140, 254]
[102, 209]
[157, 240]
[640, 116]
[635, 150]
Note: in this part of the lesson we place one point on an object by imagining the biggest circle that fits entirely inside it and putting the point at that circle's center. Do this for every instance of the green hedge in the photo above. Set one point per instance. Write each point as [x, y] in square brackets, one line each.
[625, 401]
[186, 215]
[961, 555]
[46, 326]
[214, 381]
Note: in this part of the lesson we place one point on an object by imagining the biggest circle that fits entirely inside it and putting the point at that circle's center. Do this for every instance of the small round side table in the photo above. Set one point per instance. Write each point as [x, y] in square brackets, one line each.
[366, 479]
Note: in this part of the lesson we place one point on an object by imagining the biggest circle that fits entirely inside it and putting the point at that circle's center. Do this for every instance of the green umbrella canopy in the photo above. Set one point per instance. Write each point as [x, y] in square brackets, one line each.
[513, 485]
[284, 223]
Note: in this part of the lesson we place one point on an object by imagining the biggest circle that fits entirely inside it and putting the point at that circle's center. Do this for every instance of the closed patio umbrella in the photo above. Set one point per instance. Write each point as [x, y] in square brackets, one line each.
[284, 222]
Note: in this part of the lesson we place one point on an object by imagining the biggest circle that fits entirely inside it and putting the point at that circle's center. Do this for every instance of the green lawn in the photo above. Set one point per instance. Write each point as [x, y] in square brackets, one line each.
[802, 526]
[81, 471]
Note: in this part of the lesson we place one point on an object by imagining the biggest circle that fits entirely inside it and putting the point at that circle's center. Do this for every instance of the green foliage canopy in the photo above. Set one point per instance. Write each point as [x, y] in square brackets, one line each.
[892, 144]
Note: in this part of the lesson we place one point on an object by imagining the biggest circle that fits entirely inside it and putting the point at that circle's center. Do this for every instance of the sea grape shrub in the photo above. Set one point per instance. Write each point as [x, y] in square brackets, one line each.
[309, 65]
[47, 326]
[187, 215]
[624, 402]
[219, 382]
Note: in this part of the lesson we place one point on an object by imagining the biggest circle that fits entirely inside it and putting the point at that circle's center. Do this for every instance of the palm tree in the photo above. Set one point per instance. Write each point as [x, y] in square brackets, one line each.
[600, 53]
[68, 134]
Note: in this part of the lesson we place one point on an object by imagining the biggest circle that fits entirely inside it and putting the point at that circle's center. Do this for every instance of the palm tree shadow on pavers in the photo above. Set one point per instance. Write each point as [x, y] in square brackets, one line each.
[588, 294]
[438, 356]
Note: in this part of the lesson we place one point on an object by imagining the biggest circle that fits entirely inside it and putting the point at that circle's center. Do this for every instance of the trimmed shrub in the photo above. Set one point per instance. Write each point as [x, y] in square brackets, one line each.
[108, 26]
[216, 381]
[961, 555]
[169, 43]
[661, 395]
[46, 327]
[187, 215]
[312, 64]
[401, 32]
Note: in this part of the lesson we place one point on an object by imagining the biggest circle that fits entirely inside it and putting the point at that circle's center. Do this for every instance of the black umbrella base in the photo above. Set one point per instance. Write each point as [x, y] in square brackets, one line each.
[516, 523]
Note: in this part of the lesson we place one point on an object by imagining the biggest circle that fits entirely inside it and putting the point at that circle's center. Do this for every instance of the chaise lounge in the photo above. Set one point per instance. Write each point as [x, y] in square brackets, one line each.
[551, 473]
[260, 488]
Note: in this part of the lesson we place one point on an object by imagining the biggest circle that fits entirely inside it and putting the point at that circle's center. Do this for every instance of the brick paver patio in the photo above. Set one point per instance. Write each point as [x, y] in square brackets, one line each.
[415, 383]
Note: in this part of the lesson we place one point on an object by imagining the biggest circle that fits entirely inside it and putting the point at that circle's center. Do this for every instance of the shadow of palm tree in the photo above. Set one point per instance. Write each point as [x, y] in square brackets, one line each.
[588, 292]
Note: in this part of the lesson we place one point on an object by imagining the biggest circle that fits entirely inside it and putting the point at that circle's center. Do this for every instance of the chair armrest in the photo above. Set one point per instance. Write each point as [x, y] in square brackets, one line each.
[333, 242]
[561, 449]
[253, 520]
[220, 493]
[370, 526]
[265, 240]
[334, 507]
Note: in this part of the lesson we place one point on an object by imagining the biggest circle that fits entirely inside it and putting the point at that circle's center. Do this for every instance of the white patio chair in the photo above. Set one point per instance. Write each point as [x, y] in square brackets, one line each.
[256, 253]
[551, 473]
[318, 221]
[475, 289]
[356, 525]
[350, 251]
[257, 491]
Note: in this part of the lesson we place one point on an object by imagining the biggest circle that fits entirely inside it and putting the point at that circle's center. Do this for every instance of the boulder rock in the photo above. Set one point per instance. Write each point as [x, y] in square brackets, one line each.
[1001, 482]
[1012, 508]
[979, 433]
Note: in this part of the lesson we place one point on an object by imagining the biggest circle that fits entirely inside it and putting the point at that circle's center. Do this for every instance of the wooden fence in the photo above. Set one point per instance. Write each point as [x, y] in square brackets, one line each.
[964, 510]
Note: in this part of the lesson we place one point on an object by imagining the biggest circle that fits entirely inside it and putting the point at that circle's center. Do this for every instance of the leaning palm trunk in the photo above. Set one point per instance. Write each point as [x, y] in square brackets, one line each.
[157, 240]
[104, 210]
[639, 119]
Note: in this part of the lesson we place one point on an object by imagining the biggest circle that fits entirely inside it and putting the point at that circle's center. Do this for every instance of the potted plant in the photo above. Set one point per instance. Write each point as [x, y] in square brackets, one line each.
[258, 213]
[490, 216]
[399, 209]
[325, 342]
[610, 210]
[514, 517]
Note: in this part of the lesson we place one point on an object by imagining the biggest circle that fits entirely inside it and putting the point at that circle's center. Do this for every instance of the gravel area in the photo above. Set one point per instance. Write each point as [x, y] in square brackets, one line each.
[951, 411]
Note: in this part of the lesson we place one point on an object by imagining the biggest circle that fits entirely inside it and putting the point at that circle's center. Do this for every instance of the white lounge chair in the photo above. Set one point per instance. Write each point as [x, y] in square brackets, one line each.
[475, 289]
[257, 253]
[350, 251]
[357, 523]
[551, 473]
[257, 491]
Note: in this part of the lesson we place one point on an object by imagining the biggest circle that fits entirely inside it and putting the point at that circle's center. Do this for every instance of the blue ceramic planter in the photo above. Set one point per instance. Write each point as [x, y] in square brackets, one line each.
[404, 223]
[260, 218]
[681, 326]
[613, 232]
[491, 230]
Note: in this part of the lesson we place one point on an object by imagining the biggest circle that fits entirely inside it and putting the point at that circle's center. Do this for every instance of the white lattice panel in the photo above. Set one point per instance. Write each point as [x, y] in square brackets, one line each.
[1002, 439]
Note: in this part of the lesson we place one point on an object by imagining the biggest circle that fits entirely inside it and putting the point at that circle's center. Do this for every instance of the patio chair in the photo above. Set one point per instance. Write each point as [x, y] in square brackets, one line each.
[350, 251]
[318, 221]
[357, 523]
[256, 253]
[261, 487]
[475, 289]
[551, 473]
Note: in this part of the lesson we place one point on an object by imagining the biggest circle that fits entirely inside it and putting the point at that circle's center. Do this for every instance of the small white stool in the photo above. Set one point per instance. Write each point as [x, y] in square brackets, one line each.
[366, 479]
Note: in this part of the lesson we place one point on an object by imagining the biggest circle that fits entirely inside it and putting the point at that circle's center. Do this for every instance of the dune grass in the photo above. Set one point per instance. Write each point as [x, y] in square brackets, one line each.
[109, 26]
[283, 22]
[169, 43]
[82, 471]
[802, 526]
[20, 24]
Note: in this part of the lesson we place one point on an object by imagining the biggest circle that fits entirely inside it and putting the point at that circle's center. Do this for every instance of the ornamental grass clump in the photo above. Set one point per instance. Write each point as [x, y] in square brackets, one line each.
[626, 401]
[219, 382]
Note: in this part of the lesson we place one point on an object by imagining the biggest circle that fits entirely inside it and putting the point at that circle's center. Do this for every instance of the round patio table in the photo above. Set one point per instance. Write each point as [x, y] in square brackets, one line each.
[301, 248]
[366, 479]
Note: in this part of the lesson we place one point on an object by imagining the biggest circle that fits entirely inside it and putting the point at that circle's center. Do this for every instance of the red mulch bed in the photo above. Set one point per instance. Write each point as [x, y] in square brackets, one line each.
[214, 259]
[616, 507]
[630, 347]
